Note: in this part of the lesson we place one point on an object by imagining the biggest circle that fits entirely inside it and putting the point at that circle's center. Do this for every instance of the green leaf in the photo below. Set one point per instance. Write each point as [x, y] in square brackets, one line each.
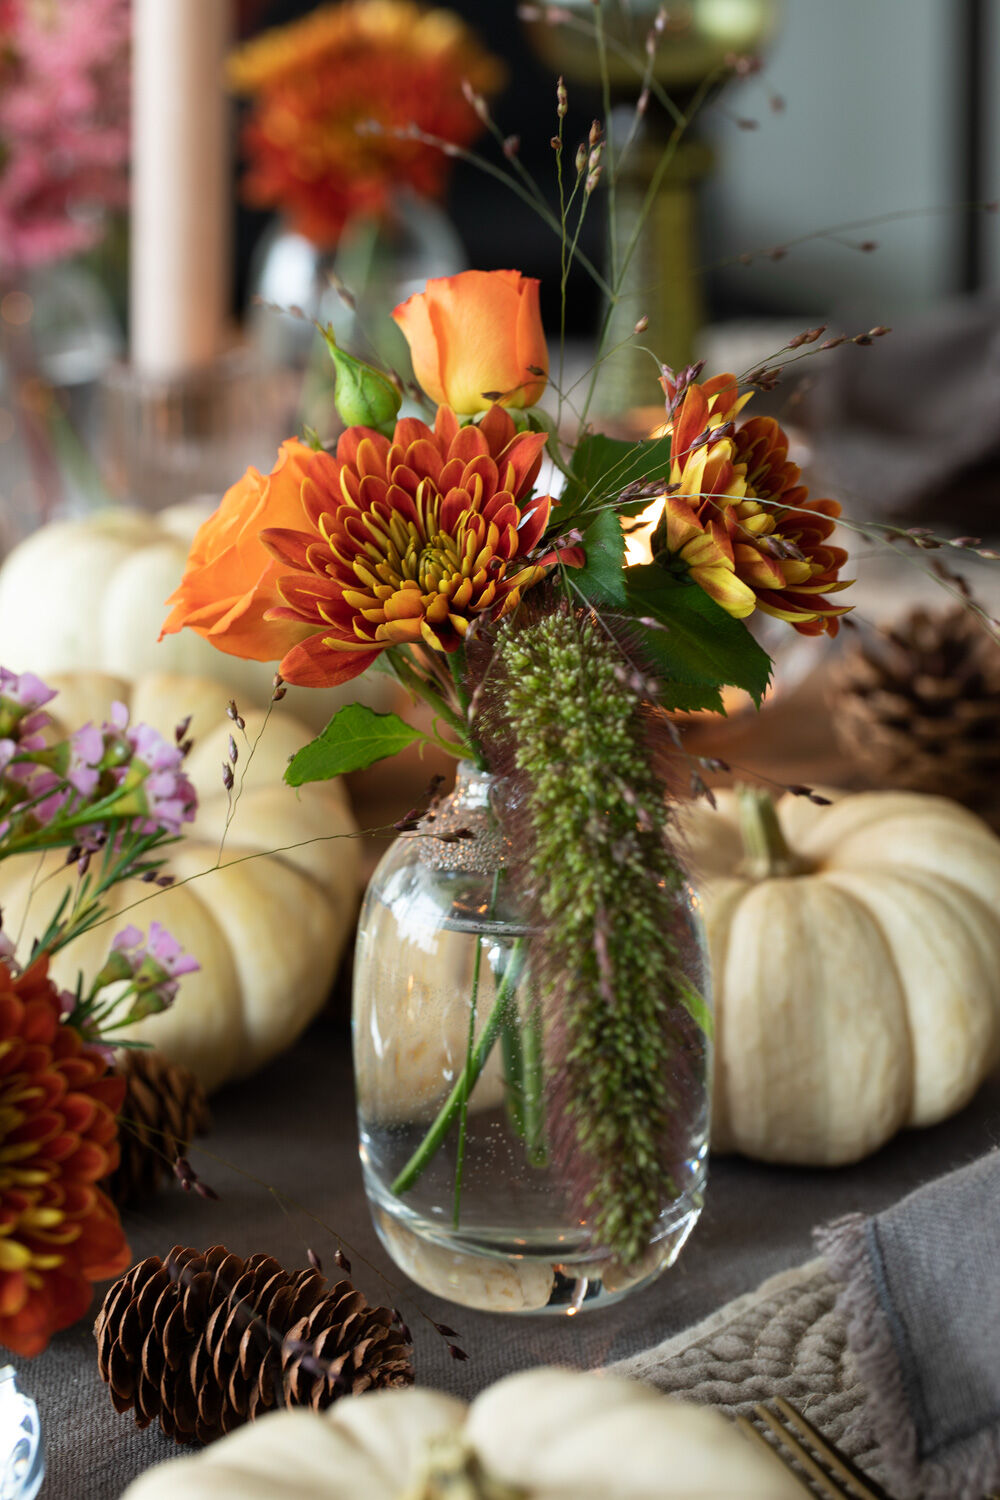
[701, 646]
[684, 697]
[694, 1004]
[355, 737]
[602, 467]
[602, 578]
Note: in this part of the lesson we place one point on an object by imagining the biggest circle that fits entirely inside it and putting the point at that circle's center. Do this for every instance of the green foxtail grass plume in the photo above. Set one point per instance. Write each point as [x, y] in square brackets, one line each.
[622, 1049]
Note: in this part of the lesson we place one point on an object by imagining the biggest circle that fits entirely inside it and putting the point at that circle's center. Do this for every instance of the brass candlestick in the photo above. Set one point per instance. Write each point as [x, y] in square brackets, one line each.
[661, 281]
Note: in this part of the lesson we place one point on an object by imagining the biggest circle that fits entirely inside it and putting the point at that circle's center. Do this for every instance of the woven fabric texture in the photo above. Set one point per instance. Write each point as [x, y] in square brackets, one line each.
[921, 1300]
[785, 1339]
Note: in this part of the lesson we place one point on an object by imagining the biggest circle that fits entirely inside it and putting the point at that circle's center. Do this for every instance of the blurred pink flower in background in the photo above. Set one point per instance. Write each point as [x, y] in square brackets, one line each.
[64, 113]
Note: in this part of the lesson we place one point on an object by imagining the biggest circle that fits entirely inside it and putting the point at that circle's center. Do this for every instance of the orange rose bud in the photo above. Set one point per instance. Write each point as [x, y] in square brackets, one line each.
[231, 579]
[476, 340]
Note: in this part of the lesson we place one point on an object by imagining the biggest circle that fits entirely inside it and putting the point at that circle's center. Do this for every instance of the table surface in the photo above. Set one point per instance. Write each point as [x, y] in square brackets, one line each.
[282, 1155]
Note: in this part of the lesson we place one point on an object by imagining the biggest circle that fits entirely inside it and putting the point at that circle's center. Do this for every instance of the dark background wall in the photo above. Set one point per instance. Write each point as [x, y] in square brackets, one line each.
[890, 108]
[496, 227]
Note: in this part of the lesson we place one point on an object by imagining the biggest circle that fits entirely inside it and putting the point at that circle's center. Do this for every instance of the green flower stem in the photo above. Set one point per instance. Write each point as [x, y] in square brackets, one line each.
[513, 1070]
[610, 167]
[421, 688]
[456, 664]
[463, 1108]
[533, 1088]
[468, 1078]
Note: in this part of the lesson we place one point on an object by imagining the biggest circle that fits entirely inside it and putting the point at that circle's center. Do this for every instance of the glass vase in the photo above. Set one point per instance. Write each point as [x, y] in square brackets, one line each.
[58, 335]
[380, 261]
[449, 1054]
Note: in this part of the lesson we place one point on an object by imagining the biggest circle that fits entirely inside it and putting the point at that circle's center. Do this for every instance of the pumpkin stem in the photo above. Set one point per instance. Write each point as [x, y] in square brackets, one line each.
[765, 848]
[453, 1472]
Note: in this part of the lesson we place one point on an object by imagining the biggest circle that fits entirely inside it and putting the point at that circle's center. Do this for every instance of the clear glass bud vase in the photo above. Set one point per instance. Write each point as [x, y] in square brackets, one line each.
[450, 1068]
[380, 262]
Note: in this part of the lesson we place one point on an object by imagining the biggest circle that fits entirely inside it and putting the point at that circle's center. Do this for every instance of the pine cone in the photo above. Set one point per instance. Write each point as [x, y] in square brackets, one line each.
[207, 1342]
[917, 706]
[164, 1110]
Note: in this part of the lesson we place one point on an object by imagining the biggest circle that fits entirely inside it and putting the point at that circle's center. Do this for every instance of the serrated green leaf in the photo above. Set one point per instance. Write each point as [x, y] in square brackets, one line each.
[355, 737]
[602, 578]
[701, 645]
[685, 697]
[602, 467]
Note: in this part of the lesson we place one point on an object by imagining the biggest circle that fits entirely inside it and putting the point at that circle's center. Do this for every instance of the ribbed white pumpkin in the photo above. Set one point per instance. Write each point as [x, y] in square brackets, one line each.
[88, 595]
[267, 928]
[540, 1435]
[855, 966]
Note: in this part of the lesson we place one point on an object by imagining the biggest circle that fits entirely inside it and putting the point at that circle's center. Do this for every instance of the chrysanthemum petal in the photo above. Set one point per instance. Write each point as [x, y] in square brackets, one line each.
[740, 517]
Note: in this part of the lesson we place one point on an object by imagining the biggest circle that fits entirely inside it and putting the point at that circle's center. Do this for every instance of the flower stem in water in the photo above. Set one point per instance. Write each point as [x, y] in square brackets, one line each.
[513, 1070]
[469, 1076]
[463, 1108]
[533, 1088]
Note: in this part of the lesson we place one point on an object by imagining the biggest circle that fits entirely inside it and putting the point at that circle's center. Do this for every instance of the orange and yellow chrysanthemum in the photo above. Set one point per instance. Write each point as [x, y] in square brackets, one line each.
[407, 541]
[59, 1231]
[737, 515]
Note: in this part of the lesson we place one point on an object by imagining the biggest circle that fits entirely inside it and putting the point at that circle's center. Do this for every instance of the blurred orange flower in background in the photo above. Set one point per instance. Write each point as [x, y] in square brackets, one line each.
[477, 339]
[737, 515]
[385, 63]
[59, 1232]
[231, 579]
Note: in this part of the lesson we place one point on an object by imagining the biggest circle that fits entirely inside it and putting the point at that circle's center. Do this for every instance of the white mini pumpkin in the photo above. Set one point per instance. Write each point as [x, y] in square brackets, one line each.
[88, 595]
[539, 1435]
[855, 954]
[267, 928]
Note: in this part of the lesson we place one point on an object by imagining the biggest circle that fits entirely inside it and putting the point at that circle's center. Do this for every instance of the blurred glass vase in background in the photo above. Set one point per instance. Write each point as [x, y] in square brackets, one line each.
[59, 333]
[377, 264]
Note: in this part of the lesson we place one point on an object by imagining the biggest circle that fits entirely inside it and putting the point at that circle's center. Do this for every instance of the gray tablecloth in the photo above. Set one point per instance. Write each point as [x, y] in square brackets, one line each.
[292, 1128]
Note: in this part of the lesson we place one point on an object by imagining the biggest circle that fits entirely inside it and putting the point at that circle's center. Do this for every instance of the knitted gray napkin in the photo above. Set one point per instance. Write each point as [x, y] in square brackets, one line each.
[921, 1296]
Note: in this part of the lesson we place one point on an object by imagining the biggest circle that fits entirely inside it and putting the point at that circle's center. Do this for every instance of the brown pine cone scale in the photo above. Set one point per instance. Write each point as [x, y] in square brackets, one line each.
[917, 706]
[163, 1111]
[205, 1342]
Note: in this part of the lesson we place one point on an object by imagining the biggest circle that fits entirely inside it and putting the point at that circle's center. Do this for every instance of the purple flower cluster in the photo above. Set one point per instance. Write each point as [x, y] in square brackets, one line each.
[23, 722]
[170, 798]
[123, 771]
[157, 966]
[120, 788]
[143, 978]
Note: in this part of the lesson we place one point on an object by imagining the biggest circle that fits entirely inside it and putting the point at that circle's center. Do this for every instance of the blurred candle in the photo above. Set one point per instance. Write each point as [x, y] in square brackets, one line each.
[180, 185]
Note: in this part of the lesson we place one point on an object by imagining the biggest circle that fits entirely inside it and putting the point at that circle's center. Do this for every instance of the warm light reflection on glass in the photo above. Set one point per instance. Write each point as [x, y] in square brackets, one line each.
[579, 1294]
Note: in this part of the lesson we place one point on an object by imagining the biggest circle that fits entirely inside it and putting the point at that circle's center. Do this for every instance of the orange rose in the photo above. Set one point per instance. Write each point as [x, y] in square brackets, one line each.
[474, 335]
[230, 579]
